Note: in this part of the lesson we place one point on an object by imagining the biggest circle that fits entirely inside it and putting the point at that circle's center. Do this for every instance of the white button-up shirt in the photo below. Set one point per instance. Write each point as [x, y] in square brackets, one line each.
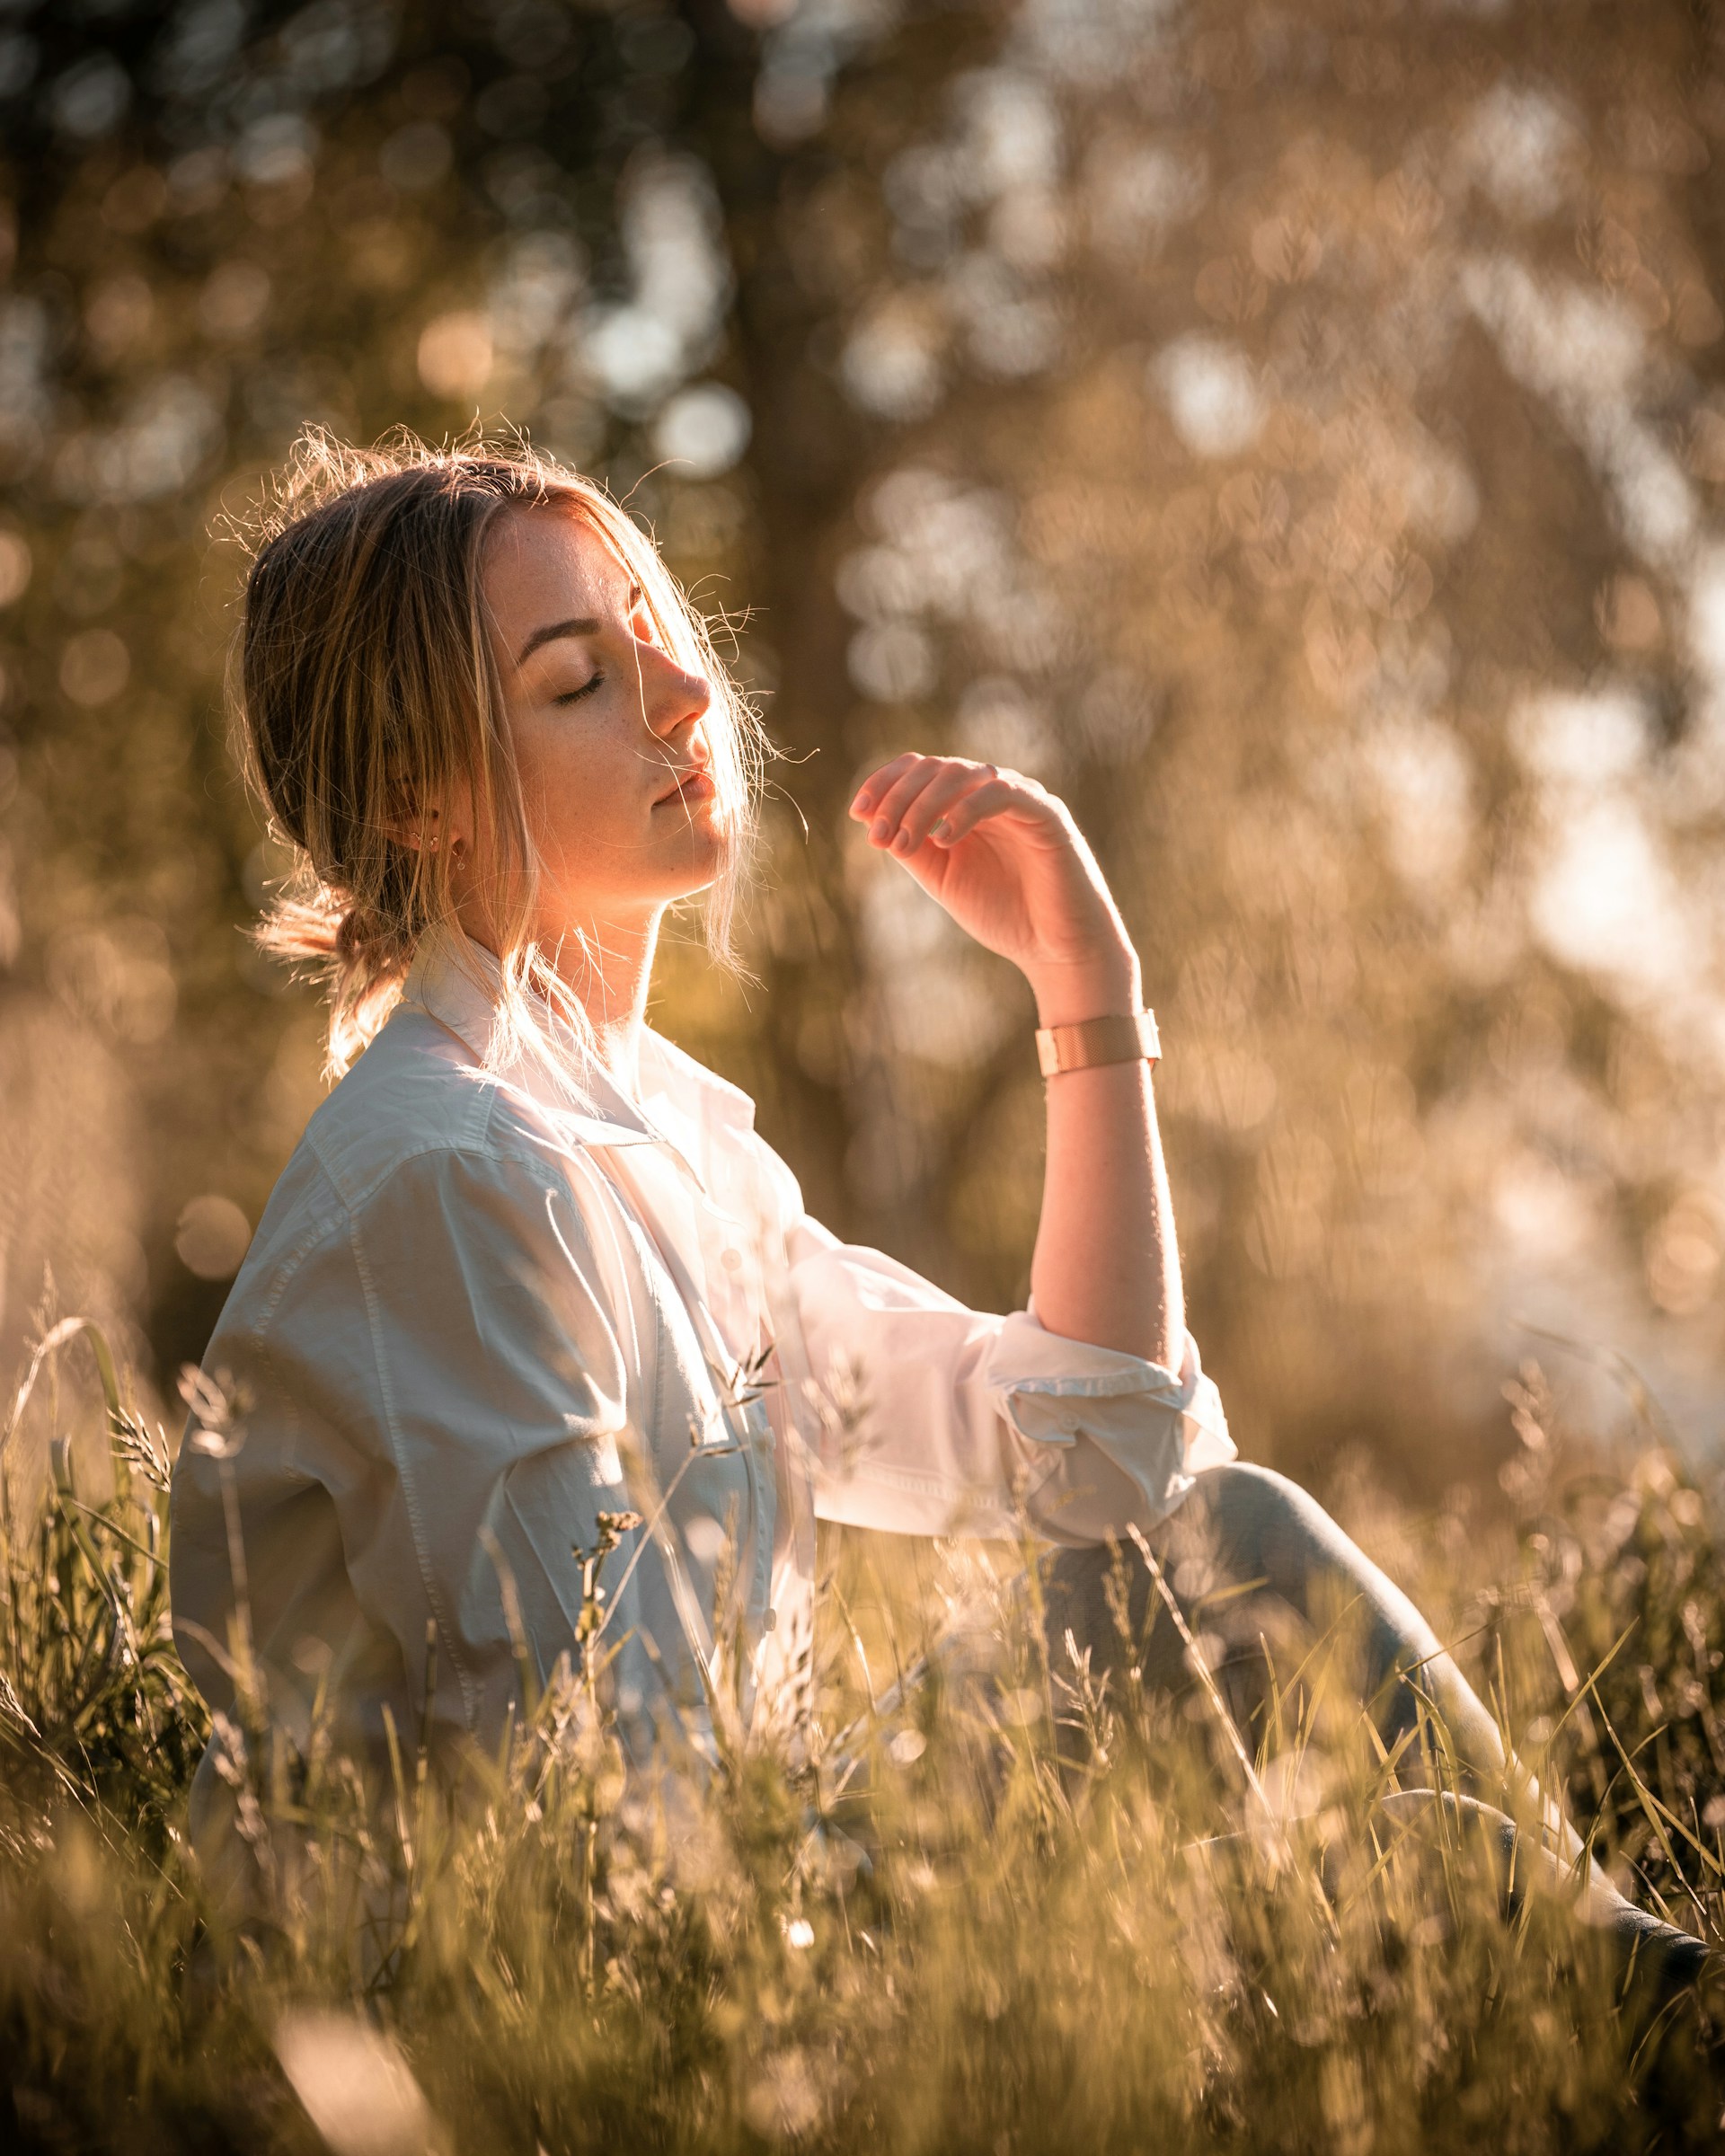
[484, 1306]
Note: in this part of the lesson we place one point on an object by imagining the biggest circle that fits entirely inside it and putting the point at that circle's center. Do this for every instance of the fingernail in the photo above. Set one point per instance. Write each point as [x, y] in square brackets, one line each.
[881, 828]
[901, 845]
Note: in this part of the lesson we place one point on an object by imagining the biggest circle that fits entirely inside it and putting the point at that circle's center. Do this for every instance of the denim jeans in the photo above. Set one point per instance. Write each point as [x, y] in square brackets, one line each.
[1245, 1527]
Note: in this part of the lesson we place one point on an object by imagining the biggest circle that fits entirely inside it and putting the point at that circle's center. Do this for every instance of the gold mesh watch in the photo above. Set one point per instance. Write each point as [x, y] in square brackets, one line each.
[1095, 1040]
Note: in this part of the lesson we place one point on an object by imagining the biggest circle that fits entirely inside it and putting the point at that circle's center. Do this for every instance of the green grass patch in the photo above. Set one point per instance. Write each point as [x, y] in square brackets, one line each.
[999, 1905]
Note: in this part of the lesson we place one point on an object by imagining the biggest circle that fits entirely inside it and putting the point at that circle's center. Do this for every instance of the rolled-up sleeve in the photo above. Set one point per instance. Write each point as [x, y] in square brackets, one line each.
[931, 1418]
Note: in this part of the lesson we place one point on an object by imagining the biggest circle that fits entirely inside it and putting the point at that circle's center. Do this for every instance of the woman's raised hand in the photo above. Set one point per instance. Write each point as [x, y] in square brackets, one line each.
[1004, 858]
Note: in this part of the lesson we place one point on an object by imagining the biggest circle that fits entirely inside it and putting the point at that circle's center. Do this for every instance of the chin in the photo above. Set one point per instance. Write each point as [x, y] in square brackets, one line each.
[704, 856]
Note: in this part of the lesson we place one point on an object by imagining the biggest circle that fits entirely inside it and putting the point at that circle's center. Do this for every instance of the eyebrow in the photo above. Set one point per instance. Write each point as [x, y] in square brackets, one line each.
[583, 626]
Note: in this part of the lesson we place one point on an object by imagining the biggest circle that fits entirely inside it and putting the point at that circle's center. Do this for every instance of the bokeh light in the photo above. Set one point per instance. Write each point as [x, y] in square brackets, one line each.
[1298, 437]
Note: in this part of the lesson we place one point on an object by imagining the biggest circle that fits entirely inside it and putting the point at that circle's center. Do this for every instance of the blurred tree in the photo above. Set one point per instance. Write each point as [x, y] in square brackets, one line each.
[1305, 454]
[226, 223]
[1295, 436]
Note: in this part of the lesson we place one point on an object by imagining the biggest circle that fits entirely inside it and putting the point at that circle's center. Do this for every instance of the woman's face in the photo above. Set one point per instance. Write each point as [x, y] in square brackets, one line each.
[607, 728]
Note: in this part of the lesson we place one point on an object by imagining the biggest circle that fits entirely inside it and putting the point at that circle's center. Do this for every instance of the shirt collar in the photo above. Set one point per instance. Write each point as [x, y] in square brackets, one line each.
[458, 982]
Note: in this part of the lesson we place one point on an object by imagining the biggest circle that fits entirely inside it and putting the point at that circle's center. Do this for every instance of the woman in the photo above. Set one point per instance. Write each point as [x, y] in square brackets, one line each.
[531, 1268]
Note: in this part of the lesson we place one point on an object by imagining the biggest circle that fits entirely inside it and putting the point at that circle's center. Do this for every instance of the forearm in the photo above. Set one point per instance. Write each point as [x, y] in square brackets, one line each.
[1106, 1267]
[1006, 861]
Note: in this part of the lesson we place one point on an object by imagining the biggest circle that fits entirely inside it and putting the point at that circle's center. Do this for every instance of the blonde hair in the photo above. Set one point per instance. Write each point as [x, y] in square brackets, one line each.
[364, 688]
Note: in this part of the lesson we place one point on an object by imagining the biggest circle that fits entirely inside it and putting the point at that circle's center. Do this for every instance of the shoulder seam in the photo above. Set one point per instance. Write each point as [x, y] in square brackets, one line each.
[327, 1226]
[324, 1228]
[478, 1143]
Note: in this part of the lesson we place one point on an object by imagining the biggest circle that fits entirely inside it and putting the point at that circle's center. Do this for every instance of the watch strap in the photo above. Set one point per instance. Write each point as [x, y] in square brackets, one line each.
[1098, 1040]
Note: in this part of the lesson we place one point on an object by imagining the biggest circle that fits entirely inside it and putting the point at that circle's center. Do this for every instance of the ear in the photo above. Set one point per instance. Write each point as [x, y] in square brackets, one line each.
[439, 821]
[415, 826]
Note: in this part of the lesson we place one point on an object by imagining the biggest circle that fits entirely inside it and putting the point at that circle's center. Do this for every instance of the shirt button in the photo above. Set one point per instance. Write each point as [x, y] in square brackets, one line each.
[770, 1622]
[732, 1260]
[1069, 1421]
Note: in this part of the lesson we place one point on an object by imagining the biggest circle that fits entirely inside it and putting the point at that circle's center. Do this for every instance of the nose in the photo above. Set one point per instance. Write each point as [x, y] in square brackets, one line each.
[673, 696]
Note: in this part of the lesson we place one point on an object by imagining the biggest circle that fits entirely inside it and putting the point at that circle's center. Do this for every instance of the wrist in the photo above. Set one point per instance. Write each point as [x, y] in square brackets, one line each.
[1105, 984]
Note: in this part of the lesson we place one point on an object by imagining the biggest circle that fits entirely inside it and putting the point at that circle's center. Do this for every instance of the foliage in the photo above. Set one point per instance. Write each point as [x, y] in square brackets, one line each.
[94, 1703]
[1297, 435]
[1013, 1908]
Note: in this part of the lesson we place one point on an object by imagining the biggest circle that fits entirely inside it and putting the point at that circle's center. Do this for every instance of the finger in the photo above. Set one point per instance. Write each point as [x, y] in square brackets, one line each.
[929, 815]
[875, 785]
[907, 788]
[1004, 791]
[906, 796]
[994, 798]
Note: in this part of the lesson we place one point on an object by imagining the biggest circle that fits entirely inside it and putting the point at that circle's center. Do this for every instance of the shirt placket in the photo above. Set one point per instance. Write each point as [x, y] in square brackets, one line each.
[710, 1233]
[724, 1321]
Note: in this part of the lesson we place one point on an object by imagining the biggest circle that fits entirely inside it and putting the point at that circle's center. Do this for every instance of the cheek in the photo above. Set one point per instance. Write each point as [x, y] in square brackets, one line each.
[582, 793]
[542, 790]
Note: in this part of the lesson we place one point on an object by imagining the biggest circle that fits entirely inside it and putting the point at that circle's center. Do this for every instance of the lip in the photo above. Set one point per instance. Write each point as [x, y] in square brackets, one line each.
[696, 784]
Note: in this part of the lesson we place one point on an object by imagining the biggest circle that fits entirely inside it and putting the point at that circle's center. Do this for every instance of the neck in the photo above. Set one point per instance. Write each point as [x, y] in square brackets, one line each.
[608, 967]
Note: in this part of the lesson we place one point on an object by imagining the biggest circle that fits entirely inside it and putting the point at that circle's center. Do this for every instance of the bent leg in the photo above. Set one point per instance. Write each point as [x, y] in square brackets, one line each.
[1244, 1525]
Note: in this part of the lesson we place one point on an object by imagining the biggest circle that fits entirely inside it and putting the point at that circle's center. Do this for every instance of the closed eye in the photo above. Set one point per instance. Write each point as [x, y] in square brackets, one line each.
[575, 695]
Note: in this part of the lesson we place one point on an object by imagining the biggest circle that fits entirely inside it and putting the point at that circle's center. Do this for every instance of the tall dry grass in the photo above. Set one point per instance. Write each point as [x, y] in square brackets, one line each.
[1001, 1904]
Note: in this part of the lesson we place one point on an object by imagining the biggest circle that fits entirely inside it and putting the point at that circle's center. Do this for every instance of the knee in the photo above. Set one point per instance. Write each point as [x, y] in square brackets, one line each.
[1248, 1476]
[1241, 1493]
[1236, 1500]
